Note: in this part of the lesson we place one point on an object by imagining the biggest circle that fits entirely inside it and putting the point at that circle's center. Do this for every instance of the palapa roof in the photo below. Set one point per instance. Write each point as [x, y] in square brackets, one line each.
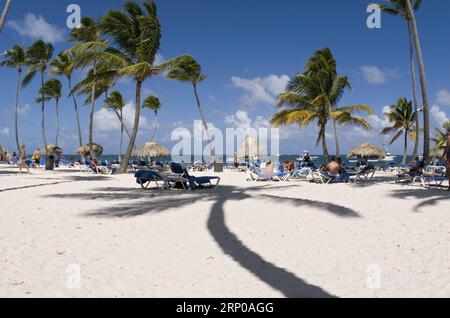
[151, 149]
[367, 151]
[85, 150]
[251, 148]
[52, 149]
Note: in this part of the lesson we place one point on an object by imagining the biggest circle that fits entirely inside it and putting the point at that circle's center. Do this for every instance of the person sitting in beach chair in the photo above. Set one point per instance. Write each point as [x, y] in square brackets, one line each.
[194, 182]
[332, 172]
[36, 158]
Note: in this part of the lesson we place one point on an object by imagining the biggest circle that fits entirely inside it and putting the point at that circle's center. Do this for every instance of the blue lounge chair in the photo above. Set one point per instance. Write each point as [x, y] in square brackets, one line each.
[194, 182]
[256, 175]
[146, 177]
[327, 178]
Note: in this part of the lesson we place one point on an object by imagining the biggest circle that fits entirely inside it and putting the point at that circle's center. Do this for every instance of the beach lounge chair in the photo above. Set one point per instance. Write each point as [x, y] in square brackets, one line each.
[327, 178]
[256, 175]
[366, 174]
[433, 180]
[194, 182]
[146, 177]
[14, 162]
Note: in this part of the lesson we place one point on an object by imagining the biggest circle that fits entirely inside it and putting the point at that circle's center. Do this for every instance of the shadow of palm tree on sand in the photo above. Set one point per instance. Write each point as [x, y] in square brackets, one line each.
[132, 202]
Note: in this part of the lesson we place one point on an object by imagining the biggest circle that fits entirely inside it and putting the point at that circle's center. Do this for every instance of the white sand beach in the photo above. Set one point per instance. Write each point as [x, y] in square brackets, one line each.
[242, 239]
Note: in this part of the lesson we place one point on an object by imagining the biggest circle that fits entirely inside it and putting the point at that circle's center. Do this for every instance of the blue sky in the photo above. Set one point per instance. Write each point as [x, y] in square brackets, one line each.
[248, 48]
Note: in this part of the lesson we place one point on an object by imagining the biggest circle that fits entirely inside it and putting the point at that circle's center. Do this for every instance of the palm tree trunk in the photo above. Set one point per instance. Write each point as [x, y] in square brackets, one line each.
[16, 126]
[405, 149]
[423, 83]
[155, 123]
[121, 135]
[91, 120]
[326, 154]
[4, 14]
[125, 128]
[44, 137]
[57, 122]
[75, 105]
[336, 138]
[415, 98]
[124, 165]
[202, 116]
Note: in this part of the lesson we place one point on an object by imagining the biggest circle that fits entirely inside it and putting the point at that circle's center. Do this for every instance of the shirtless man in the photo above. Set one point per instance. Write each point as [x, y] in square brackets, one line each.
[333, 167]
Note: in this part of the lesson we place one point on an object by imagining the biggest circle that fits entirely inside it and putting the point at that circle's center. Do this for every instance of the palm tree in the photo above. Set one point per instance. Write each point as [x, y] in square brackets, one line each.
[188, 70]
[153, 103]
[63, 66]
[423, 81]
[4, 14]
[37, 58]
[116, 102]
[313, 96]
[324, 65]
[401, 8]
[88, 32]
[53, 90]
[136, 32]
[402, 117]
[440, 137]
[15, 58]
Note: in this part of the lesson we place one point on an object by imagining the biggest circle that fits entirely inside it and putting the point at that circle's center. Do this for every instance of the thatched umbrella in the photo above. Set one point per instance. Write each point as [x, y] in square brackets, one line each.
[3, 154]
[52, 149]
[251, 149]
[367, 151]
[86, 150]
[151, 150]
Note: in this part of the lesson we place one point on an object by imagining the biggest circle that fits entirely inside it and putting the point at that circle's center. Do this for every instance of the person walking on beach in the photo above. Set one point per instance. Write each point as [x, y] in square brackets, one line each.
[22, 159]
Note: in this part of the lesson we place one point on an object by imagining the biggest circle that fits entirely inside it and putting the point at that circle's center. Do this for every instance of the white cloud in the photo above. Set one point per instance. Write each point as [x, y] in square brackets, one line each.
[373, 75]
[443, 97]
[159, 59]
[4, 132]
[260, 90]
[106, 121]
[35, 27]
[23, 111]
[242, 121]
[438, 115]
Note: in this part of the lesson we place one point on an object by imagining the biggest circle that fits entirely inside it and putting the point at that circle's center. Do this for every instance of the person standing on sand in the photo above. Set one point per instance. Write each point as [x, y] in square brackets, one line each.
[22, 159]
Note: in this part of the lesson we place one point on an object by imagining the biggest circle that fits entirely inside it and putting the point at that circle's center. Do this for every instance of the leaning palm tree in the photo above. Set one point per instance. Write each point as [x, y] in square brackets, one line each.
[53, 90]
[38, 56]
[153, 103]
[401, 8]
[136, 33]
[423, 81]
[88, 32]
[16, 58]
[63, 66]
[313, 96]
[5, 14]
[440, 138]
[116, 102]
[188, 70]
[402, 117]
